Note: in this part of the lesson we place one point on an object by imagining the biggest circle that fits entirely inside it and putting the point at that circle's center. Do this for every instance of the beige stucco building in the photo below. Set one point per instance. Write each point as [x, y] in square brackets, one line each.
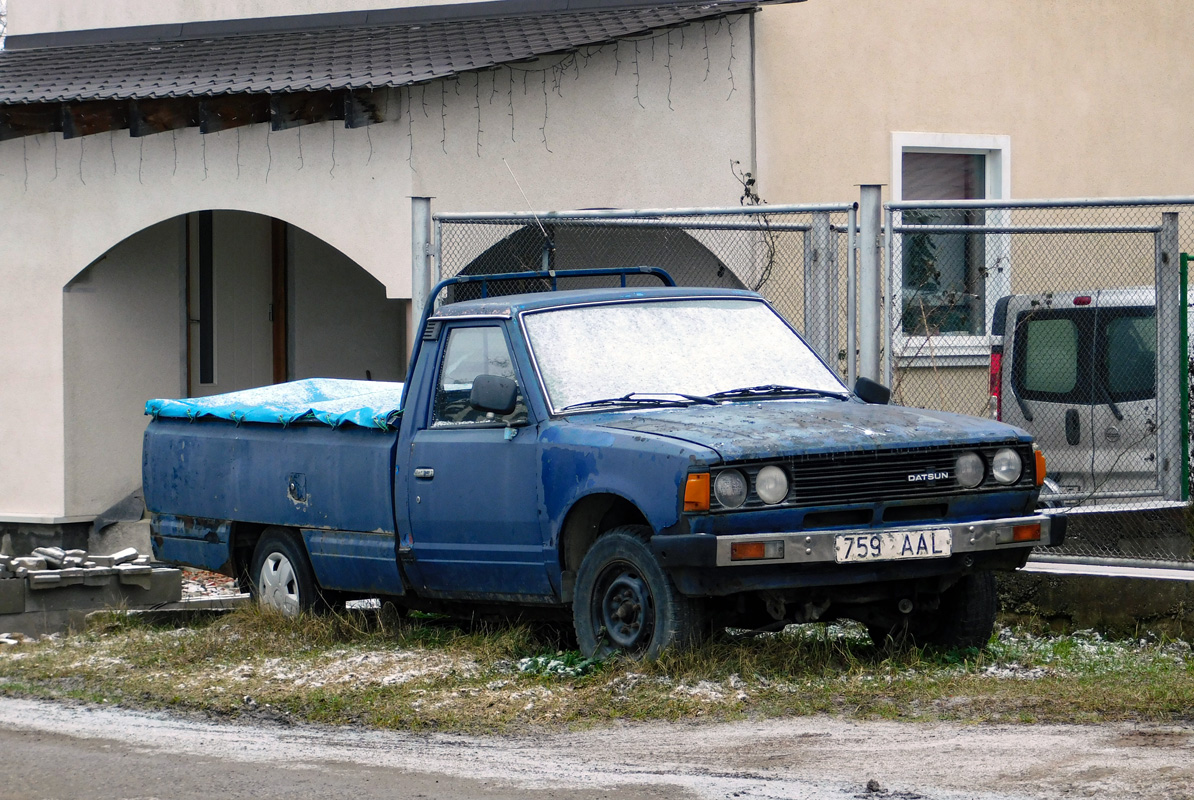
[295, 241]
[225, 245]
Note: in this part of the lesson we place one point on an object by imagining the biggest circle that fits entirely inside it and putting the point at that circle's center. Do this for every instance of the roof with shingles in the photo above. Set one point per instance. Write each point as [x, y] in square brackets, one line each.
[363, 57]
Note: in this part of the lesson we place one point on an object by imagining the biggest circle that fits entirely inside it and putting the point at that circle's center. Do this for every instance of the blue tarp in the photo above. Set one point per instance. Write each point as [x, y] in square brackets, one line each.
[331, 401]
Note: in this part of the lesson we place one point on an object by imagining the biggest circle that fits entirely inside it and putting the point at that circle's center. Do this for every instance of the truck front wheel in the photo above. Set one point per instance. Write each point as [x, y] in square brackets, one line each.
[625, 602]
[281, 575]
[964, 617]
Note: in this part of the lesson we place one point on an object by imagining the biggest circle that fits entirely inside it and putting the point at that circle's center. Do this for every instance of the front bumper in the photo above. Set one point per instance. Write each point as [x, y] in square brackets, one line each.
[819, 547]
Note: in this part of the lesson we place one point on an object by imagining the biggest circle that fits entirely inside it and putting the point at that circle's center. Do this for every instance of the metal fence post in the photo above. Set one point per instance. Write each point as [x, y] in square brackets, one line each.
[1171, 363]
[869, 282]
[852, 296]
[420, 261]
[820, 289]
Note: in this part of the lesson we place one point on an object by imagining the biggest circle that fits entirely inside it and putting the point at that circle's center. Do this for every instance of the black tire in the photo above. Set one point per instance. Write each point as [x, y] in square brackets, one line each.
[965, 617]
[280, 575]
[626, 603]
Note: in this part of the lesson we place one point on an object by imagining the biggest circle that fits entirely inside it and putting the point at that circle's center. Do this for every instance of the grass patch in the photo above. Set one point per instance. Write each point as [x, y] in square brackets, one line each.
[430, 673]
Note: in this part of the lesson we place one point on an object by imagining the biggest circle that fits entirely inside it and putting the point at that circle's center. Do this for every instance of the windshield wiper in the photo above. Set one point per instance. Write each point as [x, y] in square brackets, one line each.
[776, 389]
[646, 399]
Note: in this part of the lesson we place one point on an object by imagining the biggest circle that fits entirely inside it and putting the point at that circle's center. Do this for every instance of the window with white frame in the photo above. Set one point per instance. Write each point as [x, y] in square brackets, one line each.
[949, 280]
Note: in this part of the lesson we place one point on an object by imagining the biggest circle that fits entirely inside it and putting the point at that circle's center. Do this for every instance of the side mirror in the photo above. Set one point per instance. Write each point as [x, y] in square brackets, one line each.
[495, 394]
[872, 392]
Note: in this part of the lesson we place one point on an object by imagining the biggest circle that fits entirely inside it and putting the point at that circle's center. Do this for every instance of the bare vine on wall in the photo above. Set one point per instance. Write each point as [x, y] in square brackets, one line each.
[750, 197]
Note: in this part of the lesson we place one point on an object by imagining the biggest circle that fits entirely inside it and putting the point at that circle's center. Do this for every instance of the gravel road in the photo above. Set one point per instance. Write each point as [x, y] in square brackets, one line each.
[59, 751]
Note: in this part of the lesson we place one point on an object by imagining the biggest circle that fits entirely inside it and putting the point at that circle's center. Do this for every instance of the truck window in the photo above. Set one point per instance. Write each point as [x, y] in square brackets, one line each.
[471, 352]
[1129, 362]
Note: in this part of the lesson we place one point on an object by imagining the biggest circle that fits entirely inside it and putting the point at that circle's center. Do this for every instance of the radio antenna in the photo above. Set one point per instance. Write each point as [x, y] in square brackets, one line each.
[527, 201]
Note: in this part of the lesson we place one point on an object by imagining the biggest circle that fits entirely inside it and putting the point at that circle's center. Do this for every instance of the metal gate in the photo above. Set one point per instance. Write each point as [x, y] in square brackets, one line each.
[1066, 318]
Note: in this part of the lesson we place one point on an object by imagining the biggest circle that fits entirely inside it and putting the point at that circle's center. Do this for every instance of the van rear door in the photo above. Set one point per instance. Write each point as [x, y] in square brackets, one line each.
[1048, 390]
[1124, 426]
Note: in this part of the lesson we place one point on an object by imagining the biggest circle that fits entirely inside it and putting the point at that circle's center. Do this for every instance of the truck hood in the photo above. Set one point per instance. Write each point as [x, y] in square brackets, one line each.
[747, 430]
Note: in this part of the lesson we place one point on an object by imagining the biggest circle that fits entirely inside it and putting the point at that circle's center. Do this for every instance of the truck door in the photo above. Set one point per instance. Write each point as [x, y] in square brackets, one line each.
[473, 482]
[1124, 426]
[1049, 391]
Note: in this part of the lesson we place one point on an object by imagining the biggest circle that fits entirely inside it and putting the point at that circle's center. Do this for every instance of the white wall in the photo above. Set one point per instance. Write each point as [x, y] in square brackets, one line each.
[121, 343]
[341, 323]
[612, 140]
[52, 16]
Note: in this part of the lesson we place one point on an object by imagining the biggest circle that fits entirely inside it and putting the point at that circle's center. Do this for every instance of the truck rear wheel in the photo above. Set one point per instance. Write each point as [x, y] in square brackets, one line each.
[281, 576]
[626, 603]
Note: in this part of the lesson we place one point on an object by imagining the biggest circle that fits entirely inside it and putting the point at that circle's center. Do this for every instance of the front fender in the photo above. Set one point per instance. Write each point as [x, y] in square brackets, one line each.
[647, 471]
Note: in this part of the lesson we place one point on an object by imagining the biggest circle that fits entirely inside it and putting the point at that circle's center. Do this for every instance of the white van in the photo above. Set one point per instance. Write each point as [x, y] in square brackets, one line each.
[1078, 370]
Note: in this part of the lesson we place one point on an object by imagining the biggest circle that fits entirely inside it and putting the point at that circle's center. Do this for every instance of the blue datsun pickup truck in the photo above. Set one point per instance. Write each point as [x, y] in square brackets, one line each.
[655, 462]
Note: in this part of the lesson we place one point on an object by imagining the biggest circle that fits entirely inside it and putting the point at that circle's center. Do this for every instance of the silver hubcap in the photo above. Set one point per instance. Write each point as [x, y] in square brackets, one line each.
[278, 584]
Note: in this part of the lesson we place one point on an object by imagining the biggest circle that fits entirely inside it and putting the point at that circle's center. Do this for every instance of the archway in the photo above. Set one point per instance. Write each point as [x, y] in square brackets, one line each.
[208, 302]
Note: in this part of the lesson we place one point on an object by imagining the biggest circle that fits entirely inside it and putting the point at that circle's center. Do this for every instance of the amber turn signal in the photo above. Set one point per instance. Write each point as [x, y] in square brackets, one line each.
[1040, 465]
[696, 492]
[1026, 533]
[753, 551]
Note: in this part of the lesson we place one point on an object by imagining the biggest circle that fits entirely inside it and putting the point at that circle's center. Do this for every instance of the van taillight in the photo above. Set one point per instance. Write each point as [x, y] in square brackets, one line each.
[1084, 300]
[997, 384]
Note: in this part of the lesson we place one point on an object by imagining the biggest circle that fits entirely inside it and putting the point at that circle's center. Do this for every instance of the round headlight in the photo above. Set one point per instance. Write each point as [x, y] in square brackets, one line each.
[969, 470]
[1006, 466]
[771, 484]
[730, 488]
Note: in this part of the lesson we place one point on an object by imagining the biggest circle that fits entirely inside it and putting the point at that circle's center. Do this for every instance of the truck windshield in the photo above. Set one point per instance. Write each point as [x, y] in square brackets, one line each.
[673, 348]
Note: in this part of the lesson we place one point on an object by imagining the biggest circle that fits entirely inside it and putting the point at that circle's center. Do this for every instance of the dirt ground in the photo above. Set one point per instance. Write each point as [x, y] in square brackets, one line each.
[57, 750]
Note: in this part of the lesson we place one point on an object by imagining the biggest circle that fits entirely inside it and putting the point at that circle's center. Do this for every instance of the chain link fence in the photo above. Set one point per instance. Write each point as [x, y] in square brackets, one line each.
[799, 258]
[1047, 315]
[1067, 320]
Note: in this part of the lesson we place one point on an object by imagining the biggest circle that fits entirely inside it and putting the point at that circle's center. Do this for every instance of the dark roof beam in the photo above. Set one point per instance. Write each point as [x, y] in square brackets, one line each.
[224, 112]
[366, 107]
[85, 119]
[292, 109]
[29, 120]
[161, 115]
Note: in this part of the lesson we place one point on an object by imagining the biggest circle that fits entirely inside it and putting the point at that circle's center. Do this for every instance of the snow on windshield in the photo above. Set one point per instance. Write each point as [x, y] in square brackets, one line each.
[664, 347]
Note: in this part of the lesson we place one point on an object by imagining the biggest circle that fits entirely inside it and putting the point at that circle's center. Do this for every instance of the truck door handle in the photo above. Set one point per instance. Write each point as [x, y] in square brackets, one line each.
[424, 473]
[1073, 429]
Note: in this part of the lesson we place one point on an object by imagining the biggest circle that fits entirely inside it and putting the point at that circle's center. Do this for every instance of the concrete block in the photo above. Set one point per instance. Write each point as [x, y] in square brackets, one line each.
[72, 561]
[44, 579]
[124, 556]
[98, 576]
[75, 553]
[12, 597]
[68, 606]
[53, 555]
[72, 576]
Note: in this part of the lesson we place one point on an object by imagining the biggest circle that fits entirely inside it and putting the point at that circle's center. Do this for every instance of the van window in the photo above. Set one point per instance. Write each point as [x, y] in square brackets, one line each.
[1129, 357]
[1051, 356]
[1052, 359]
